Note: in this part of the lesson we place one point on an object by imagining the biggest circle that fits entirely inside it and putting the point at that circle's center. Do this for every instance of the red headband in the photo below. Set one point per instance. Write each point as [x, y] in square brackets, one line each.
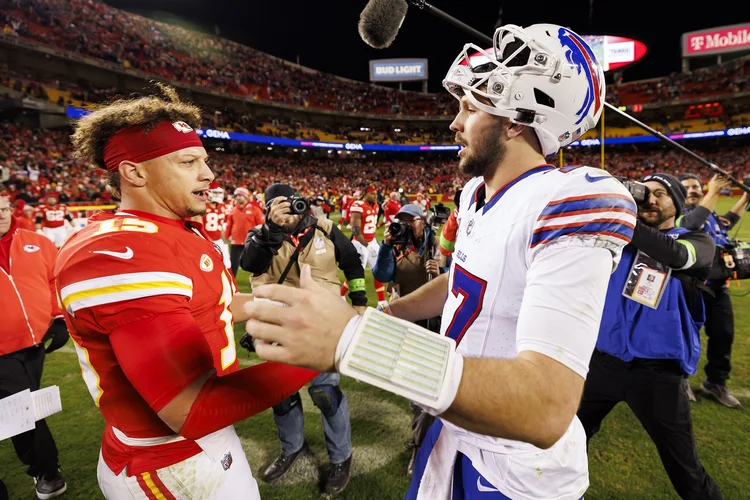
[133, 144]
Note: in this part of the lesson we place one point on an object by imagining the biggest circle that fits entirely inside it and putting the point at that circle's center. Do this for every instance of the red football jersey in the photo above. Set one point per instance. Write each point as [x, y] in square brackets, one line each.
[390, 210]
[346, 202]
[53, 216]
[130, 267]
[369, 218]
[214, 220]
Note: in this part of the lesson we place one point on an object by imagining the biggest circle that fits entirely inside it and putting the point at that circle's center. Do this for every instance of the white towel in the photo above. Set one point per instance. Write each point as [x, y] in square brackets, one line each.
[437, 480]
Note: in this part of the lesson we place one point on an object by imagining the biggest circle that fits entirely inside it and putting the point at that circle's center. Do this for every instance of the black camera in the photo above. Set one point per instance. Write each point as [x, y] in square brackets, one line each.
[298, 206]
[401, 233]
[638, 190]
[440, 215]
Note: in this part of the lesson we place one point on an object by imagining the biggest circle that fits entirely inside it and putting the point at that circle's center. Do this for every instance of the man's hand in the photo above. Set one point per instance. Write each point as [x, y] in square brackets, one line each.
[432, 267]
[280, 211]
[360, 309]
[58, 333]
[388, 238]
[717, 184]
[307, 331]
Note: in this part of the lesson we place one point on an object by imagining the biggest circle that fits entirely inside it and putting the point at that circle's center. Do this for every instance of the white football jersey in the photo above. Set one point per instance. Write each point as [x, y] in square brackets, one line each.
[496, 245]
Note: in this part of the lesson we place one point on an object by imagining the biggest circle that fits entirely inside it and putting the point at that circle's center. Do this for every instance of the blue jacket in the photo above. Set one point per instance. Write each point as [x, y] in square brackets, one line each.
[631, 330]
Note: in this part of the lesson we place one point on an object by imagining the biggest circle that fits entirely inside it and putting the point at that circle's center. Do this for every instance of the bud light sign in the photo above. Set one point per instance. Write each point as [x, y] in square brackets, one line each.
[398, 70]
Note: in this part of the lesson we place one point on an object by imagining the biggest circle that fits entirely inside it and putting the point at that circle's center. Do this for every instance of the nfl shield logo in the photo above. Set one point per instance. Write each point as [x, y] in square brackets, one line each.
[469, 227]
[319, 242]
[226, 460]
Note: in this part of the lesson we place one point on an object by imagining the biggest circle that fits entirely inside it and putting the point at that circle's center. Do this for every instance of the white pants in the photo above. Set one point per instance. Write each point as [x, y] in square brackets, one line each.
[225, 252]
[58, 235]
[198, 477]
[368, 255]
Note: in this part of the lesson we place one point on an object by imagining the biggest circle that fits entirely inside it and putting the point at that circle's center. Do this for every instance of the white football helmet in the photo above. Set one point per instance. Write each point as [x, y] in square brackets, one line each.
[544, 76]
[215, 193]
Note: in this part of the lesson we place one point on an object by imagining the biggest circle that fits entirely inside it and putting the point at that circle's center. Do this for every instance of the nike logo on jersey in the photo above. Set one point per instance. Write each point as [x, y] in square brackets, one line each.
[597, 179]
[484, 489]
[127, 254]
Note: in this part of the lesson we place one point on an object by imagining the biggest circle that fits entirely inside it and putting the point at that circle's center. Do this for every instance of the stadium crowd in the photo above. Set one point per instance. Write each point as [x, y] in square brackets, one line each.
[129, 41]
[35, 161]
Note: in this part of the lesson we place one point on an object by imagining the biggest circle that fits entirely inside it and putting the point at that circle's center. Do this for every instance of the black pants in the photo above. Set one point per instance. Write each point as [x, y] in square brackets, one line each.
[654, 392]
[235, 252]
[720, 332]
[19, 371]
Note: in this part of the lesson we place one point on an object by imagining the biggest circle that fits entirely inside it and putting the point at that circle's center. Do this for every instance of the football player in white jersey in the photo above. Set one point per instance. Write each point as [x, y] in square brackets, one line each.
[525, 292]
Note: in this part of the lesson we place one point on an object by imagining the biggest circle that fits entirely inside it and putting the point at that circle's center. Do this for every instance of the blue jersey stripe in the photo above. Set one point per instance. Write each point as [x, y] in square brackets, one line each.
[588, 204]
[606, 228]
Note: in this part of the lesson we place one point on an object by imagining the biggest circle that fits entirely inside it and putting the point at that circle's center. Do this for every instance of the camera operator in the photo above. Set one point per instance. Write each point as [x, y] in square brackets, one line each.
[649, 335]
[405, 259]
[274, 253]
[700, 214]
[406, 256]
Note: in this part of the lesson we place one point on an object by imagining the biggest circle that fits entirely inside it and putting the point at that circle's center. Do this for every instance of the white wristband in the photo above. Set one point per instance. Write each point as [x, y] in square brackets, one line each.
[402, 358]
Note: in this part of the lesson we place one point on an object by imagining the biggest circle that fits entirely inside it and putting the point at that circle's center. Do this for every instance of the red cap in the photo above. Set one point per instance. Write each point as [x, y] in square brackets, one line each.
[371, 189]
[214, 185]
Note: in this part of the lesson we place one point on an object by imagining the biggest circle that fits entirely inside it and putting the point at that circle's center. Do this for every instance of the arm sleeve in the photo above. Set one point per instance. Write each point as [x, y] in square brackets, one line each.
[161, 355]
[348, 260]
[38, 219]
[702, 249]
[69, 218]
[261, 245]
[385, 265]
[679, 254]
[695, 219]
[563, 303]
[733, 219]
[448, 235]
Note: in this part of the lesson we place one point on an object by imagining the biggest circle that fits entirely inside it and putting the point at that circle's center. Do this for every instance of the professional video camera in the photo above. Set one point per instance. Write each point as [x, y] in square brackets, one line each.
[638, 190]
[299, 206]
[439, 215]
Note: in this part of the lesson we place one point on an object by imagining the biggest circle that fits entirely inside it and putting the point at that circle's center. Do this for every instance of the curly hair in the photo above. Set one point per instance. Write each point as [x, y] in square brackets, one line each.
[92, 132]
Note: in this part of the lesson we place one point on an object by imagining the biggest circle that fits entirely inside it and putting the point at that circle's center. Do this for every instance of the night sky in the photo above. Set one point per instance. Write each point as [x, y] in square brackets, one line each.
[324, 34]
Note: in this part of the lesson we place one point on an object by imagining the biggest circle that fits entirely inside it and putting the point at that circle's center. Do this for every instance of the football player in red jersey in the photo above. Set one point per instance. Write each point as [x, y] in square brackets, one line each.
[150, 308]
[364, 220]
[214, 220]
[346, 204]
[51, 218]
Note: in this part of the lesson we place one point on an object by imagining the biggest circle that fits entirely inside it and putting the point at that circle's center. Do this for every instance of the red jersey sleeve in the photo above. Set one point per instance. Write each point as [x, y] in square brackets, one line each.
[50, 254]
[357, 207]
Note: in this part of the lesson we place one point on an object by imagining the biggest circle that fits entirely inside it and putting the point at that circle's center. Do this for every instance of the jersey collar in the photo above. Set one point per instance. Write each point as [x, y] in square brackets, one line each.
[479, 193]
[156, 218]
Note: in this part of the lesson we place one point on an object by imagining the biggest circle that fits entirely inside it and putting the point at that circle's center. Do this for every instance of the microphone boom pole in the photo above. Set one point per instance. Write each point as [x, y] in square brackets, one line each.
[423, 5]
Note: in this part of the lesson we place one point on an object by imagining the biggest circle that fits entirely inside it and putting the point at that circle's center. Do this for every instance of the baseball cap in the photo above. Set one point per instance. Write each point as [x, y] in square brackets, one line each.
[277, 190]
[371, 189]
[410, 209]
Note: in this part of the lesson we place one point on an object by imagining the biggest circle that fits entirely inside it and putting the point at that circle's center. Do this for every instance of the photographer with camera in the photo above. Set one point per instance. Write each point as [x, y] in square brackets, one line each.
[406, 260]
[649, 340]
[275, 253]
[700, 214]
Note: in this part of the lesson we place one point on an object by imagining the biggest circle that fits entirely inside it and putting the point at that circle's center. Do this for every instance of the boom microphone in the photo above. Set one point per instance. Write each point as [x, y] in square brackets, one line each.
[380, 21]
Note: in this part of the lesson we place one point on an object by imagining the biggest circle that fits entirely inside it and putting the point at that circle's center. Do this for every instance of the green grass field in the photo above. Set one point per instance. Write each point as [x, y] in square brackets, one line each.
[623, 461]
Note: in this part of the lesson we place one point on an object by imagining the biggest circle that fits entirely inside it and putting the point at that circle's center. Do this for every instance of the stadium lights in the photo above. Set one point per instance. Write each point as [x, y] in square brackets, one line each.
[269, 148]
[304, 151]
[397, 130]
[295, 150]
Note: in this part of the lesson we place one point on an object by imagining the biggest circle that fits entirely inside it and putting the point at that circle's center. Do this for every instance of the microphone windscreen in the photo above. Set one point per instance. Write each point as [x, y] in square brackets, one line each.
[380, 21]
